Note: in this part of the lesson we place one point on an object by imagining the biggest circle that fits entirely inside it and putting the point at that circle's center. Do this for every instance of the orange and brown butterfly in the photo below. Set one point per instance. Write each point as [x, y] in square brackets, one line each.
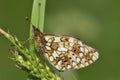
[64, 52]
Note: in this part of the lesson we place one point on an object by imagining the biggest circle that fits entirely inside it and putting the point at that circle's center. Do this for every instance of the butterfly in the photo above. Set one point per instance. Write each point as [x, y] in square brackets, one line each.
[64, 52]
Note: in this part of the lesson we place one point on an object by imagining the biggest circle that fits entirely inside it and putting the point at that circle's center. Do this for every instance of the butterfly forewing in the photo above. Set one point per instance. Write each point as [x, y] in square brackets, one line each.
[65, 52]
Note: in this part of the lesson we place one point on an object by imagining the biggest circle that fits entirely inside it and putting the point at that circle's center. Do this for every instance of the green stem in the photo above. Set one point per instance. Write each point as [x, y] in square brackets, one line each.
[42, 15]
[37, 18]
[38, 13]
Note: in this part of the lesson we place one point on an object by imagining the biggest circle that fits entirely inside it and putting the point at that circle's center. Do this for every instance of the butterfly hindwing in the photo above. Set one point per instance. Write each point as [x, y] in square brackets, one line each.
[65, 52]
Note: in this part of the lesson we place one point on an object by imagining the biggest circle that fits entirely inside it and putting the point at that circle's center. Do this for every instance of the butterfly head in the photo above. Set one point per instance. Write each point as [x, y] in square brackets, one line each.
[37, 37]
[36, 32]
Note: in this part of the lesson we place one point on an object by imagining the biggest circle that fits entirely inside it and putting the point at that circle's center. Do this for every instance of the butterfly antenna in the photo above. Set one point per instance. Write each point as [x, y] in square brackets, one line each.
[34, 28]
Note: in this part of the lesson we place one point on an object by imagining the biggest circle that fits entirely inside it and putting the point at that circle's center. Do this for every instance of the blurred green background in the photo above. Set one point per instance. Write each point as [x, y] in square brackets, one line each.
[95, 22]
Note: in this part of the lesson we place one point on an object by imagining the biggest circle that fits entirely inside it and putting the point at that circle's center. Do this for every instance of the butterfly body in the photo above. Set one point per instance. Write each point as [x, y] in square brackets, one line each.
[64, 52]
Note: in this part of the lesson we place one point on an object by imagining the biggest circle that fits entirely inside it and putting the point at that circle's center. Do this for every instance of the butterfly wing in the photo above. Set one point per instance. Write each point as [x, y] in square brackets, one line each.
[65, 52]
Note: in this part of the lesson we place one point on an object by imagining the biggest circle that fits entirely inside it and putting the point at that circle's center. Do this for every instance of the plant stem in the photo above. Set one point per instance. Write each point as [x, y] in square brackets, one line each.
[37, 18]
[38, 13]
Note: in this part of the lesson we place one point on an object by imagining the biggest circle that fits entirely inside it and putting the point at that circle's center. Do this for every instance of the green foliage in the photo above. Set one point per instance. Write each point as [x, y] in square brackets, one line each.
[27, 59]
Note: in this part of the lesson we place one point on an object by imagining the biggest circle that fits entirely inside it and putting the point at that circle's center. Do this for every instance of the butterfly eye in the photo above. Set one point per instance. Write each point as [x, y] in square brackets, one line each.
[36, 32]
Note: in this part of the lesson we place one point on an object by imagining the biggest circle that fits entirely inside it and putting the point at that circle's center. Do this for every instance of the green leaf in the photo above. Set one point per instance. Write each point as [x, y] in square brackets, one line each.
[37, 18]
